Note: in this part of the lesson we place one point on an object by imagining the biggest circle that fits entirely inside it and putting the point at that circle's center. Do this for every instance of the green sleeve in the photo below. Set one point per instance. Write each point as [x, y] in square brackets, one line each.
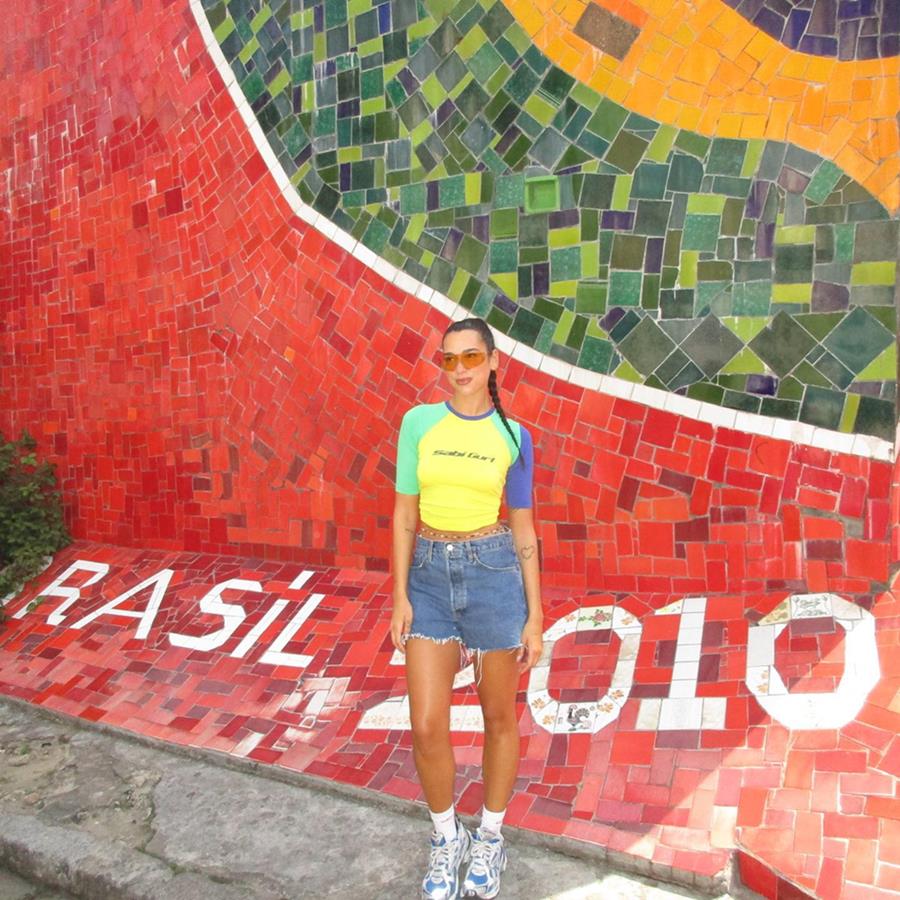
[407, 481]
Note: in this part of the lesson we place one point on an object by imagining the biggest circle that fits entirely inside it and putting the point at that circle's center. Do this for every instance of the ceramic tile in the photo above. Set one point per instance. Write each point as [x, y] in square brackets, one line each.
[430, 79]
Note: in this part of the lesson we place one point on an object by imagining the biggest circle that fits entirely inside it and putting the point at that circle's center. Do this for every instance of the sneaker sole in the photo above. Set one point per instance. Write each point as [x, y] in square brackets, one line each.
[463, 860]
[487, 896]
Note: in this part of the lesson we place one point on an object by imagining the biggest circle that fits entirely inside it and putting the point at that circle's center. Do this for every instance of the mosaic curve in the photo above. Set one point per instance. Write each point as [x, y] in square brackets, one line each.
[849, 29]
[750, 274]
[702, 66]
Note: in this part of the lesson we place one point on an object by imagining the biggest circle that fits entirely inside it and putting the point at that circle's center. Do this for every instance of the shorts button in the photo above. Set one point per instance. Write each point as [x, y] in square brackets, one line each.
[449, 547]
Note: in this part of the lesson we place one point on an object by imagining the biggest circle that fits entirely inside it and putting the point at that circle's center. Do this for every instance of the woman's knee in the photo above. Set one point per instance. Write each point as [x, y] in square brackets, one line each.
[430, 732]
[500, 720]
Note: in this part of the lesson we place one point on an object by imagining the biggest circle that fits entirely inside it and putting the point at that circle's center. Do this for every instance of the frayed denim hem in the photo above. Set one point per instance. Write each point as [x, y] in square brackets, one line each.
[477, 657]
[434, 640]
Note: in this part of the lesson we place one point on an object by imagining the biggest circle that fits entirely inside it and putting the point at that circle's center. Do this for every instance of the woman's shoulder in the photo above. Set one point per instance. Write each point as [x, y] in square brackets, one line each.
[424, 409]
[424, 414]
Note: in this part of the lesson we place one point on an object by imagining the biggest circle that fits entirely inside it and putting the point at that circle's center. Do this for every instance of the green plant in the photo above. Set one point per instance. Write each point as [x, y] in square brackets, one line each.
[31, 517]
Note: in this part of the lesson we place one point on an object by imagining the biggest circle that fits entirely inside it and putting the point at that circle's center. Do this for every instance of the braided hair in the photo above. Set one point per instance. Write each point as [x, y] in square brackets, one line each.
[486, 335]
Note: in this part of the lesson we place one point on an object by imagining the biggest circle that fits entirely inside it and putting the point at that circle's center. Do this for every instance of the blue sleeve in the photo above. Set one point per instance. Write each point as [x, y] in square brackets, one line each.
[520, 476]
[407, 479]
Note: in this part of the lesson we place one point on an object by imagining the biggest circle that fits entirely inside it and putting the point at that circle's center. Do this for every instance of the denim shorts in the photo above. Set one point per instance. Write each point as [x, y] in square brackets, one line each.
[468, 591]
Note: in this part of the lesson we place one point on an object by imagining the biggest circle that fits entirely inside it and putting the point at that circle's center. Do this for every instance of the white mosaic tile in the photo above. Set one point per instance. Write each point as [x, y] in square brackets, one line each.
[681, 714]
[649, 711]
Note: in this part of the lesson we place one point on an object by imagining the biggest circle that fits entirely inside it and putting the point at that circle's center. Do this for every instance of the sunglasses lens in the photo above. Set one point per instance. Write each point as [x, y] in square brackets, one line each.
[470, 360]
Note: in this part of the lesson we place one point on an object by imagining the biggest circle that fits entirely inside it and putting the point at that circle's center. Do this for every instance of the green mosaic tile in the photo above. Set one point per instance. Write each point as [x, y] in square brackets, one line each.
[783, 344]
[858, 339]
[418, 141]
[711, 345]
[701, 390]
[807, 373]
[840, 376]
[565, 264]
[822, 407]
[597, 355]
[701, 232]
[628, 252]
[650, 181]
[526, 326]
[875, 417]
[590, 298]
[672, 366]
[541, 195]
[503, 256]
[726, 157]
[626, 151]
[676, 304]
[646, 346]
[624, 288]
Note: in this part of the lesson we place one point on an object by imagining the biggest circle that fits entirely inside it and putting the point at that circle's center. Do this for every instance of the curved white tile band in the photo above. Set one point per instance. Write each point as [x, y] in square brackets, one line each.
[718, 416]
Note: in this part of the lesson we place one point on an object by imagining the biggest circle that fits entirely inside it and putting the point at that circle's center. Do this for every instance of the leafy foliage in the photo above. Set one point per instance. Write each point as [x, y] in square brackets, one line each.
[31, 517]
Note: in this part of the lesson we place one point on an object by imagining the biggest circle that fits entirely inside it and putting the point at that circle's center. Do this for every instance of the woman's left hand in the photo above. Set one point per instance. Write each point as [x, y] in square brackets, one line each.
[532, 645]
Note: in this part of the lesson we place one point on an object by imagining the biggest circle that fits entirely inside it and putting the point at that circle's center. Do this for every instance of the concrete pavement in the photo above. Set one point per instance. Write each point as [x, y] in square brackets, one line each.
[99, 814]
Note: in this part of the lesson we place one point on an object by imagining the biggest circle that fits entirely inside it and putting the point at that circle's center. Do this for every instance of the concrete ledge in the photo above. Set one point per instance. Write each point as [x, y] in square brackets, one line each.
[75, 861]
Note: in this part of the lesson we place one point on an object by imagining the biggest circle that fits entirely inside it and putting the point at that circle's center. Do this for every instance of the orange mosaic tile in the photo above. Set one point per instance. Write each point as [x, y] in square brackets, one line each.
[704, 67]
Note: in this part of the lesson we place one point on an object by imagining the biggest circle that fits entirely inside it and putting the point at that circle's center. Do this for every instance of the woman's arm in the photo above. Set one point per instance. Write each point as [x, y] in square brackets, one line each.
[521, 522]
[406, 517]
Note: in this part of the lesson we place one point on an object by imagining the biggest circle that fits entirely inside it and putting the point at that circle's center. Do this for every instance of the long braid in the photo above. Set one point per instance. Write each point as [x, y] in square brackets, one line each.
[479, 325]
[495, 397]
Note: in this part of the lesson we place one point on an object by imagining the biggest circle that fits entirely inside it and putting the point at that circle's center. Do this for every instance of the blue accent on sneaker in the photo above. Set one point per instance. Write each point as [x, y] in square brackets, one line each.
[441, 882]
[486, 865]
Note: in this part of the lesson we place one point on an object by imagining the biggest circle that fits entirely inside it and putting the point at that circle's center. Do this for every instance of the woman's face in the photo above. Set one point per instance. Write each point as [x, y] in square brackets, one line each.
[468, 382]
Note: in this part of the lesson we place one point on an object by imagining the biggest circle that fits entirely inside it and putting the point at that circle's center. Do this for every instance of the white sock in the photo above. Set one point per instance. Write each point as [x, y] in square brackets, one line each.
[492, 822]
[445, 823]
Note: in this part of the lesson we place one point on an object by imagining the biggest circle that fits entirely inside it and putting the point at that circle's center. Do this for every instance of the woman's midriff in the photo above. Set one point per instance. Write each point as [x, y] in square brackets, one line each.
[433, 534]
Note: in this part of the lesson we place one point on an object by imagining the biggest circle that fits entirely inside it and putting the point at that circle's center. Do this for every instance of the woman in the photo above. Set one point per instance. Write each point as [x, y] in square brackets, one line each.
[473, 585]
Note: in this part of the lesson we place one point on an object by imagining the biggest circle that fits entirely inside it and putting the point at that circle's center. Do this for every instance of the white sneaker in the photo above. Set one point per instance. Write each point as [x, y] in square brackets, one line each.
[486, 865]
[441, 882]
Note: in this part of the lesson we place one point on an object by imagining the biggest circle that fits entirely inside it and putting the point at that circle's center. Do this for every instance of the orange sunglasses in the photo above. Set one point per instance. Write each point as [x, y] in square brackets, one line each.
[469, 358]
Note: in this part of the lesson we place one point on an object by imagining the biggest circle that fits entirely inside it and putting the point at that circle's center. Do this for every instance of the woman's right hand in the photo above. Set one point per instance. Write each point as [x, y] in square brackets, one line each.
[401, 620]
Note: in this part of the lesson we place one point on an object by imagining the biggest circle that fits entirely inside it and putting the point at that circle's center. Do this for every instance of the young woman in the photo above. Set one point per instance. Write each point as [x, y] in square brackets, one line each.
[472, 585]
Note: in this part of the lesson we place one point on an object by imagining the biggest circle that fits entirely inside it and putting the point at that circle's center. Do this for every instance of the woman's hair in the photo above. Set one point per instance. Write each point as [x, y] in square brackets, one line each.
[486, 335]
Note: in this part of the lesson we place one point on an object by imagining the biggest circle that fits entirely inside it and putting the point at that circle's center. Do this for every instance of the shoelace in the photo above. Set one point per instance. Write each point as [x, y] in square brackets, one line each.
[441, 860]
[483, 853]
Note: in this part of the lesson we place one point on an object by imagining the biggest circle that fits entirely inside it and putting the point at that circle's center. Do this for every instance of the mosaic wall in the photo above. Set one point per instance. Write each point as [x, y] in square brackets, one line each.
[748, 273]
[704, 66]
[220, 384]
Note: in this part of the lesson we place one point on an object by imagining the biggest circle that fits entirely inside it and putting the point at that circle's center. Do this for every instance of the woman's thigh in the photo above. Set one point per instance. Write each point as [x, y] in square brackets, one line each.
[430, 668]
[497, 682]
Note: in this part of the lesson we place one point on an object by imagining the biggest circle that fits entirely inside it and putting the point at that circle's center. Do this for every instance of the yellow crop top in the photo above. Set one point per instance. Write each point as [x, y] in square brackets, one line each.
[460, 466]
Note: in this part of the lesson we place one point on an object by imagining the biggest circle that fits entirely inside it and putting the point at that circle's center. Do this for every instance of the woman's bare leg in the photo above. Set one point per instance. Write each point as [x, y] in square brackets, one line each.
[430, 668]
[497, 688]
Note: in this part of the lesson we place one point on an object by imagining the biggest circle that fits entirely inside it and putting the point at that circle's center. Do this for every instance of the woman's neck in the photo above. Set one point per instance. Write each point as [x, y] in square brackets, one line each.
[472, 405]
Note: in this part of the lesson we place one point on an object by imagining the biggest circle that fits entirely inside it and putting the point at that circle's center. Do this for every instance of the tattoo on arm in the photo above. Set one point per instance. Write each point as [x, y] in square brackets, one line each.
[409, 530]
[527, 552]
